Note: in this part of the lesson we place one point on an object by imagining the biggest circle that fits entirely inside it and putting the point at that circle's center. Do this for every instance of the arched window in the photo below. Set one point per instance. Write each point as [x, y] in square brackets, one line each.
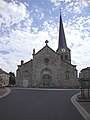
[61, 57]
[67, 74]
[25, 74]
[66, 57]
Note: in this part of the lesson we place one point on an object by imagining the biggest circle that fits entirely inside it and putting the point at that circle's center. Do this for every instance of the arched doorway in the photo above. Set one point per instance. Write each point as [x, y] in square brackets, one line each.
[46, 77]
[46, 80]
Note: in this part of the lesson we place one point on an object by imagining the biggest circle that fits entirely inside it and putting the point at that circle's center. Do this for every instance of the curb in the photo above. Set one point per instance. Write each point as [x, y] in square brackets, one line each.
[7, 93]
[82, 111]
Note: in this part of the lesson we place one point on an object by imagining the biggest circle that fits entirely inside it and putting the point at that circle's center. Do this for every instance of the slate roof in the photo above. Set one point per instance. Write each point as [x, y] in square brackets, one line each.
[88, 68]
[62, 39]
[2, 71]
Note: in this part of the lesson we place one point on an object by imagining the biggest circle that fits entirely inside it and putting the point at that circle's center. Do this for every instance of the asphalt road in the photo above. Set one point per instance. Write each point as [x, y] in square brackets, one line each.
[26, 104]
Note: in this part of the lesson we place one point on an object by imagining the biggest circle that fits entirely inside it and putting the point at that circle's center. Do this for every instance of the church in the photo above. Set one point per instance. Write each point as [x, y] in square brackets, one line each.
[49, 68]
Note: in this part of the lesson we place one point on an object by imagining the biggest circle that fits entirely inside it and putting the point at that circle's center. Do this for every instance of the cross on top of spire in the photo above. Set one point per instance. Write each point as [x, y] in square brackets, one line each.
[46, 42]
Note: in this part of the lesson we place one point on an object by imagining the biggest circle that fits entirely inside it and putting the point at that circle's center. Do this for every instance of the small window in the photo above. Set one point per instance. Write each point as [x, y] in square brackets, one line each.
[61, 56]
[66, 57]
[67, 74]
[26, 74]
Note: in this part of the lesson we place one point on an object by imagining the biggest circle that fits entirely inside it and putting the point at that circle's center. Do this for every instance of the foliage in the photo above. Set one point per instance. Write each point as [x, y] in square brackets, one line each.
[12, 78]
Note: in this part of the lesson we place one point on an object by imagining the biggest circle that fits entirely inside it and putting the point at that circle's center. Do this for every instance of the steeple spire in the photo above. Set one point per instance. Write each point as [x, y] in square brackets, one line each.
[62, 39]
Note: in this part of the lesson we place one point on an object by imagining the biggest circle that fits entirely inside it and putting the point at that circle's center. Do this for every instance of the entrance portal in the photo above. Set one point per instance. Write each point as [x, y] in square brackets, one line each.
[46, 80]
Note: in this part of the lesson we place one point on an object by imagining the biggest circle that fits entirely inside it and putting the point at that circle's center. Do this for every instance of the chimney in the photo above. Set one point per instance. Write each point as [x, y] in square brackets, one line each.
[22, 62]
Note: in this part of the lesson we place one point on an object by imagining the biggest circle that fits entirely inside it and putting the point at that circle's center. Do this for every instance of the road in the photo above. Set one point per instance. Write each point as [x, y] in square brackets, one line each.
[28, 104]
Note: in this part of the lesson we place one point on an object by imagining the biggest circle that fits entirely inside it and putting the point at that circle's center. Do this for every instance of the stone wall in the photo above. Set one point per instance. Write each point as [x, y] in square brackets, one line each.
[47, 61]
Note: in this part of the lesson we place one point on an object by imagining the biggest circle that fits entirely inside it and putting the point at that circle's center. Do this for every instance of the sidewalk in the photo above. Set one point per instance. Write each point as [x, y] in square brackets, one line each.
[82, 106]
[86, 106]
[4, 92]
[84, 102]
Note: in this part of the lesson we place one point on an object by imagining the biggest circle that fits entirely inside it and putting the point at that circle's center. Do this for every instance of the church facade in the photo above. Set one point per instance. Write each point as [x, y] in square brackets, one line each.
[49, 68]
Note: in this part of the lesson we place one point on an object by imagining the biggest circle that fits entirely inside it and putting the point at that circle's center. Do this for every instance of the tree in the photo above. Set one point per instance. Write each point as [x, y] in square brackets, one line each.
[12, 78]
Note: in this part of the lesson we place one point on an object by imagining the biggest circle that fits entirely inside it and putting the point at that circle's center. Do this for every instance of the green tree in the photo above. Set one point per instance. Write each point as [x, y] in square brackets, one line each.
[12, 78]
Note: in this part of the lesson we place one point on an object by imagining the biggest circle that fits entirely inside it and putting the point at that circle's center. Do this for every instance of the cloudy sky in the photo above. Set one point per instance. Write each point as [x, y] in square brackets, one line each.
[26, 24]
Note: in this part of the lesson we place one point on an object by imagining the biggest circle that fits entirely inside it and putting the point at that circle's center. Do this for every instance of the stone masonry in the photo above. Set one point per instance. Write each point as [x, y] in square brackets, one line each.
[49, 68]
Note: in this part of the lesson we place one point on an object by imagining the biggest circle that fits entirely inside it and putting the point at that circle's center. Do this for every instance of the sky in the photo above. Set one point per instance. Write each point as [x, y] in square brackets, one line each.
[26, 24]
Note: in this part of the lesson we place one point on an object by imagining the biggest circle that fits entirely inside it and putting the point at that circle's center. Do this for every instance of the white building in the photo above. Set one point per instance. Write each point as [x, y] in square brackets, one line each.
[4, 78]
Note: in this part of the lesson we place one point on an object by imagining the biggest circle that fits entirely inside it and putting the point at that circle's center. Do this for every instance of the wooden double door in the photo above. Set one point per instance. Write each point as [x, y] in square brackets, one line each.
[46, 80]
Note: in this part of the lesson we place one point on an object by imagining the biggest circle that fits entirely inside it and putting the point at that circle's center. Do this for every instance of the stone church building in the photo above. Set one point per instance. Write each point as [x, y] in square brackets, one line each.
[49, 68]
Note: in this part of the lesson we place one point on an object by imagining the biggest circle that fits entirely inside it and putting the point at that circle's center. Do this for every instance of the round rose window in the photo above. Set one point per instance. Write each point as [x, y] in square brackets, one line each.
[46, 60]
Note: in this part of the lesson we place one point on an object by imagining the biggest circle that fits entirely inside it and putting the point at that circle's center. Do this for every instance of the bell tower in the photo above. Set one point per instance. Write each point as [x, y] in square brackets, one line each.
[63, 50]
